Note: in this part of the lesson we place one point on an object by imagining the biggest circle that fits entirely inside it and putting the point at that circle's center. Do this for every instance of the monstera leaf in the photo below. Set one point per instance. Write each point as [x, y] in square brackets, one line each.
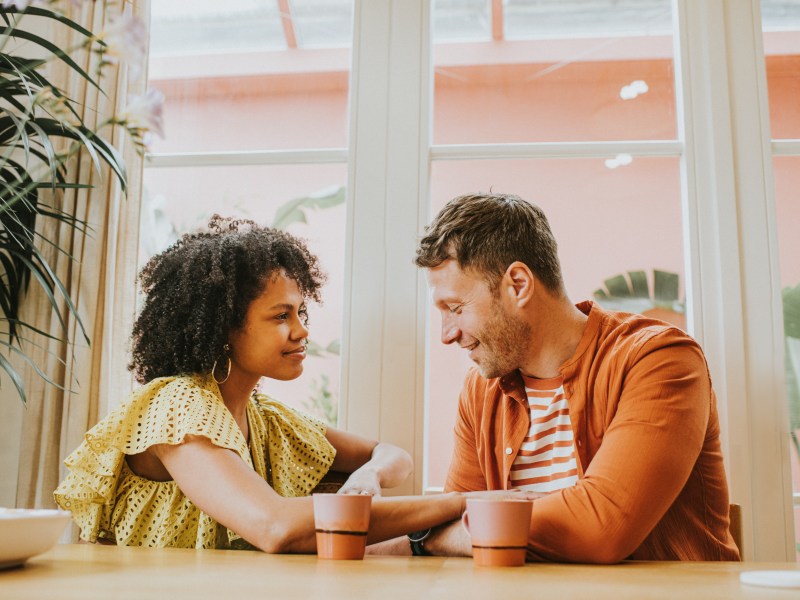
[630, 292]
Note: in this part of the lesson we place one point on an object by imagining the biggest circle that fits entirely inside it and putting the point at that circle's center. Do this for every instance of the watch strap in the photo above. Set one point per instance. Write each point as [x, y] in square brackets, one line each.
[416, 541]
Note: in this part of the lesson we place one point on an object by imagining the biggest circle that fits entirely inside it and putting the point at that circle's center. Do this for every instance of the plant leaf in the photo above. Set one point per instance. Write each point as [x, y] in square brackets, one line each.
[294, 210]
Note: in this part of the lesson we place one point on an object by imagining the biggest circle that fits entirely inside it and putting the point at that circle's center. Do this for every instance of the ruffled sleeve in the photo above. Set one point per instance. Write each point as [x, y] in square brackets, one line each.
[298, 454]
[164, 411]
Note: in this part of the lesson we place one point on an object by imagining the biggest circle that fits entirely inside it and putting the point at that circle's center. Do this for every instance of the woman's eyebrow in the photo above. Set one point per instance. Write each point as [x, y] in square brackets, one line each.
[284, 306]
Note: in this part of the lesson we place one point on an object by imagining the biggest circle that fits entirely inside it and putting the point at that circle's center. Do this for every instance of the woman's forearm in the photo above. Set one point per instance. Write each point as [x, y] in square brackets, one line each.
[390, 518]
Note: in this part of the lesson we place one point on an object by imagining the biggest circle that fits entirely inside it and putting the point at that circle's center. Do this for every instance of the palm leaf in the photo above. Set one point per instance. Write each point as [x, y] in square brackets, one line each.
[630, 292]
[49, 14]
[55, 50]
[294, 211]
[36, 143]
[15, 377]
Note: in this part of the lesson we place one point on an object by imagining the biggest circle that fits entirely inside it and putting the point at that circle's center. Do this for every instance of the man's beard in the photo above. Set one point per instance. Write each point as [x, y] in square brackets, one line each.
[503, 343]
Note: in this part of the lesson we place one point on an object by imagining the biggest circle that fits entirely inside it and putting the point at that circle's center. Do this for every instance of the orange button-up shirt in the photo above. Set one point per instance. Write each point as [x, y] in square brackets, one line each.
[652, 483]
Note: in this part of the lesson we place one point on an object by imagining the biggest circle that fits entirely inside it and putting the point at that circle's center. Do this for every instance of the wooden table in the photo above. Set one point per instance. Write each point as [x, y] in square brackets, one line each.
[90, 571]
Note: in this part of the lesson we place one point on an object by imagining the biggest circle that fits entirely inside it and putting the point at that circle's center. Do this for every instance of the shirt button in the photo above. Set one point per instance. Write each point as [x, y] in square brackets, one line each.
[509, 450]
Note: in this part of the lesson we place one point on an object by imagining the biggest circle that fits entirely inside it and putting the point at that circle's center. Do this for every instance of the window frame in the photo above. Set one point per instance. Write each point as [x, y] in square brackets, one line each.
[730, 236]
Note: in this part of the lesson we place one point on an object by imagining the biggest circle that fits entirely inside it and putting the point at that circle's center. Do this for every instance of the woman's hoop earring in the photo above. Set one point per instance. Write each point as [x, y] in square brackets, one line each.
[226, 349]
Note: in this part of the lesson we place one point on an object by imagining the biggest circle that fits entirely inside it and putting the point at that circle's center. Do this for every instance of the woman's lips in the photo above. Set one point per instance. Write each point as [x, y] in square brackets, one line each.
[297, 354]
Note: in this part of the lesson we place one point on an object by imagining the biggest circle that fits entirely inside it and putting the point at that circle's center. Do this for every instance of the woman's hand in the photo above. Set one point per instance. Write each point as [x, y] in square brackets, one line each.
[372, 465]
[362, 481]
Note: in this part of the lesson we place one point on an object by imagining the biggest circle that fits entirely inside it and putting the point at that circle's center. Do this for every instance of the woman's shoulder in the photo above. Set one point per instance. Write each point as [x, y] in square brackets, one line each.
[170, 393]
[188, 385]
[271, 407]
[164, 411]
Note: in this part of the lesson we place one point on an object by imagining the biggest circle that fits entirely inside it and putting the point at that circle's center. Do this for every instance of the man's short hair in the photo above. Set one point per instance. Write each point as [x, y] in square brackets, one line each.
[485, 233]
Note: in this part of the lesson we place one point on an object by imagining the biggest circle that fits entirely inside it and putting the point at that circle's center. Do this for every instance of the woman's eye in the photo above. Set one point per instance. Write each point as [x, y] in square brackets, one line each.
[282, 316]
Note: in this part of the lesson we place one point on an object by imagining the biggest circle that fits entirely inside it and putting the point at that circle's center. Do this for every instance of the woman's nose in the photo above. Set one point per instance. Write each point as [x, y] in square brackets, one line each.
[301, 330]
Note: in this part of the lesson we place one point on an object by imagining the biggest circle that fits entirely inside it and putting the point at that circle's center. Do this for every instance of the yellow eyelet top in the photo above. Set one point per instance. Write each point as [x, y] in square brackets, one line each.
[108, 501]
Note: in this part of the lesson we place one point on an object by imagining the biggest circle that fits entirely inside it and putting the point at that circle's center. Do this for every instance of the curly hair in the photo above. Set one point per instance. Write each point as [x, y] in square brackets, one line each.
[488, 232]
[198, 291]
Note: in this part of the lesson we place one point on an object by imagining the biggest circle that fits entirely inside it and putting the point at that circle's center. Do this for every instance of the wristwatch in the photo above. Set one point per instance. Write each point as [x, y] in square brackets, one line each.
[415, 539]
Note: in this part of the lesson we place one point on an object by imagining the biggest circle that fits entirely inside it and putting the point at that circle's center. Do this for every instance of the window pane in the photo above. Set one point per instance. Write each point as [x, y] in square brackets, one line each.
[607, 221]
[525, 20]
[461, 20]
[253, 97]
[580, 81]
[781, 21]
[177, 200]
[323, 23]
[787, 182]
[188, 27]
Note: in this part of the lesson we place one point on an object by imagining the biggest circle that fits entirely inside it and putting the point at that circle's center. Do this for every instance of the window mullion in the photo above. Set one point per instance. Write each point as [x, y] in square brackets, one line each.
[381, 395]
[734, 296]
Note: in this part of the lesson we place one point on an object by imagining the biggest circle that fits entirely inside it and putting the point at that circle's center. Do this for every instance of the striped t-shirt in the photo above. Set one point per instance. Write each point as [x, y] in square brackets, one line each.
[546, 460]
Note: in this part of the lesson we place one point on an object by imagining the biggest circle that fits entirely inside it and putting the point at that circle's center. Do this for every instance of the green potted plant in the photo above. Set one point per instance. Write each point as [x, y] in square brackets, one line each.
[42, 131]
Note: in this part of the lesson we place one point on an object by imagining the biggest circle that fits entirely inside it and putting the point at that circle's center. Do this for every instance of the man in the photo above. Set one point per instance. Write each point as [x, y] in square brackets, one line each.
[609, 416]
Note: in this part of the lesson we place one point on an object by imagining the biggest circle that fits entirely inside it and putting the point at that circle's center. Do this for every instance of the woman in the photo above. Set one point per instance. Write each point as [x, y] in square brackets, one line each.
[195, 457]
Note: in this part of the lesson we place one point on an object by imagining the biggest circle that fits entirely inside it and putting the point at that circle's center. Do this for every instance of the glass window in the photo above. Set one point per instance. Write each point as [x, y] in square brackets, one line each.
[461, 20]
[306, 200]
[787, 180]
[571, 77]
[323, 23]
[524, 20]
[243, 86]
[562, 71]
[245, 77]
[583, 199]
[193, 27]
[781, 23]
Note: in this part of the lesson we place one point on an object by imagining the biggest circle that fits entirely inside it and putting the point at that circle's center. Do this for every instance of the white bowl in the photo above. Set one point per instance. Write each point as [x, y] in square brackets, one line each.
[26, 532]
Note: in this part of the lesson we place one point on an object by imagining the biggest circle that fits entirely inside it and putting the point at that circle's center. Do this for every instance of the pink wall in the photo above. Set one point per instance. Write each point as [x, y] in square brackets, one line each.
[607, 221]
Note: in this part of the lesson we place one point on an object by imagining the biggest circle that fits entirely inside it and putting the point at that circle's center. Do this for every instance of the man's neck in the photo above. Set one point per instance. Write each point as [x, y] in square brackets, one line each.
[559, 328]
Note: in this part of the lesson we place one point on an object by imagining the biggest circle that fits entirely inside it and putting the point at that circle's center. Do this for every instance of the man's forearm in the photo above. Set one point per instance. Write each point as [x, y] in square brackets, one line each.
[446, 540]
[450, 539]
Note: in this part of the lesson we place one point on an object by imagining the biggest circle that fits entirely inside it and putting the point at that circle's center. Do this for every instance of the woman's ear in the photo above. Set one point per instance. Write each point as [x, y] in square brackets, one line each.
[518, 282]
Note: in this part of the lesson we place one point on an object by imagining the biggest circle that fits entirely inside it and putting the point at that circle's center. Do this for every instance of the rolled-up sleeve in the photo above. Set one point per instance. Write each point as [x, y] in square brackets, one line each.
[650, 444]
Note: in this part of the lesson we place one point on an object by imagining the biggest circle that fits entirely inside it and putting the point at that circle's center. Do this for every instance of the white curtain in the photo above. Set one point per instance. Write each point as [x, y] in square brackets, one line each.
[99, 277]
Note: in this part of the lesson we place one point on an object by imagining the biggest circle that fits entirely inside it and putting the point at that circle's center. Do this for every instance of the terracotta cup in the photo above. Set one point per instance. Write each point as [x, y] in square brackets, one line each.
[341, 522]
[499, 530]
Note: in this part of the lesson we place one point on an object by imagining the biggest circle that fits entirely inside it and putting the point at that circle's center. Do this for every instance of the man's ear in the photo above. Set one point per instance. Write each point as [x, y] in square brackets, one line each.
[518, 283]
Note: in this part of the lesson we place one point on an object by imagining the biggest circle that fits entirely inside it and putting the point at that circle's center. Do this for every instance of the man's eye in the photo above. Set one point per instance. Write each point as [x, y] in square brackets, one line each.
[455, 310]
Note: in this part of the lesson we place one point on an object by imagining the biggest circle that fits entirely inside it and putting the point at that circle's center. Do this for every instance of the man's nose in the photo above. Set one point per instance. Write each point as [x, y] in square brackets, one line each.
[450, 330]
